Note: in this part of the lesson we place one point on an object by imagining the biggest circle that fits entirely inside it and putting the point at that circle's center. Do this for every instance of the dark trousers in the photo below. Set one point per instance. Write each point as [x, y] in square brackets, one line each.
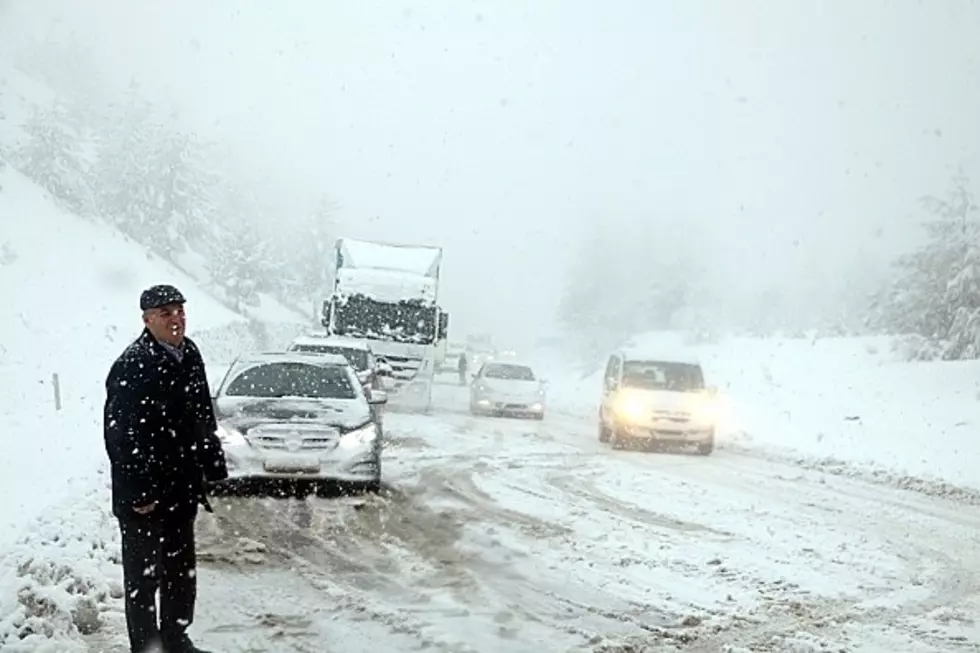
[158, 554]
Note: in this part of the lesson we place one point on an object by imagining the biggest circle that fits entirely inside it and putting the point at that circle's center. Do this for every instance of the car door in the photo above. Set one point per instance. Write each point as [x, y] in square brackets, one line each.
[610, 382]
[478, 377]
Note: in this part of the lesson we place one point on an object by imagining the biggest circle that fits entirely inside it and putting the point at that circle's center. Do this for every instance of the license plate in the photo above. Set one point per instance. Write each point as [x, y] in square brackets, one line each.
[292, 465]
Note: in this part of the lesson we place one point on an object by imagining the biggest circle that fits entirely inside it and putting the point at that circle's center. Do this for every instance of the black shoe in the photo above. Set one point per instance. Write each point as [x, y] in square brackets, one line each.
[182, 645]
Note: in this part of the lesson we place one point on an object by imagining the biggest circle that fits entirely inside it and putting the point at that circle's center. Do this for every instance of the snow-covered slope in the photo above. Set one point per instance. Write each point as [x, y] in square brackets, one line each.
[70, 289]
[845, 402]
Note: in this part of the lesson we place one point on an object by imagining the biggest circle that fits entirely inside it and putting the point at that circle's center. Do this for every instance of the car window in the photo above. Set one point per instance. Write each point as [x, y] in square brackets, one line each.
[358, 358]
[292, 379]
[611, 367]
[509, 372]
[663, 375]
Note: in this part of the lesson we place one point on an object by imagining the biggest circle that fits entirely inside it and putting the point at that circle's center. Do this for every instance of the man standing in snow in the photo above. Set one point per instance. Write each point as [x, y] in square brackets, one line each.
[160, 436]
[463, 365]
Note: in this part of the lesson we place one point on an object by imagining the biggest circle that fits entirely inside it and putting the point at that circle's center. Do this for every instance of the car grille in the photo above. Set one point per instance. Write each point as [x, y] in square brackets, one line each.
[296, 438]
[672, 416]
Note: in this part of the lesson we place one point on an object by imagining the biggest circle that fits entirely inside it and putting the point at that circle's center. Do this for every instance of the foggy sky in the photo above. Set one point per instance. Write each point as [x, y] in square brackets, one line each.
[795, 134]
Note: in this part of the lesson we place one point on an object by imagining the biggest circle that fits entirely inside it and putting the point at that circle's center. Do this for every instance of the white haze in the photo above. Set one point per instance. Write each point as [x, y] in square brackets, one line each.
[794, 136]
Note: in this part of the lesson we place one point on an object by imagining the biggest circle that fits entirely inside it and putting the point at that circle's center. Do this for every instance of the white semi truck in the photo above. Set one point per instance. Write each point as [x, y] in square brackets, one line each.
[388, 295]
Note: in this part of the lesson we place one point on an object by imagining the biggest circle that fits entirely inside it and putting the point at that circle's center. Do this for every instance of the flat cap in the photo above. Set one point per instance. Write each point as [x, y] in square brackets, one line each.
[160, 295]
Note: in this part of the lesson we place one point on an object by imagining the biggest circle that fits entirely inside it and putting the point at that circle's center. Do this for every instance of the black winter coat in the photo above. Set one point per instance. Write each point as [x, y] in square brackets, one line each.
[160, 430]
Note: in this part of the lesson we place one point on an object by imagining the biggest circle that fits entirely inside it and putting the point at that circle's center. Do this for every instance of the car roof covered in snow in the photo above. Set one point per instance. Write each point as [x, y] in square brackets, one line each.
[661, 354]
[509, 361]
[291, 357]
[331, 341]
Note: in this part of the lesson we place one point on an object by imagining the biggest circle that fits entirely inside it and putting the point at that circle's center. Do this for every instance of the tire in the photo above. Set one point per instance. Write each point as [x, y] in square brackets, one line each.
[706, 448]
[617, 442]
[603, 432]
[374, 486]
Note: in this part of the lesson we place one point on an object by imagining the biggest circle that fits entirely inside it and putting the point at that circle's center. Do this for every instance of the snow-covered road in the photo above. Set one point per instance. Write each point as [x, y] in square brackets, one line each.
[503, 535]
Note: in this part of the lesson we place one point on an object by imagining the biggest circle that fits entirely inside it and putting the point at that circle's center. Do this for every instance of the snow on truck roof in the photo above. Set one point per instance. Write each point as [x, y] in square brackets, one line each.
[408, 259]
[386, 285]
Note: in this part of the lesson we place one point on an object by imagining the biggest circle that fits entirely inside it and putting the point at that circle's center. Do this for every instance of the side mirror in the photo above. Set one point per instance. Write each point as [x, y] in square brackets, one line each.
[378, 398]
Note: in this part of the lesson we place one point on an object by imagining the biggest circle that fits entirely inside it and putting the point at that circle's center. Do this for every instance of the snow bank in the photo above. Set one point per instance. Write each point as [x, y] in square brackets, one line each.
[57, 580]
[844, 403]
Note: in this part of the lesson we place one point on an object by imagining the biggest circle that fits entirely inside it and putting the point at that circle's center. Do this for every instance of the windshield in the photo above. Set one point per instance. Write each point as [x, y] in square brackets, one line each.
[358, 358]
[509, 372]
[291, 379]
[660, 375]
[408, 321]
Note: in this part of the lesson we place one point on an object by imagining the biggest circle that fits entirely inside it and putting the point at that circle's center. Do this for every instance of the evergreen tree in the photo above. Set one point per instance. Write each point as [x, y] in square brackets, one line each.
[937, 293]
[54, 157]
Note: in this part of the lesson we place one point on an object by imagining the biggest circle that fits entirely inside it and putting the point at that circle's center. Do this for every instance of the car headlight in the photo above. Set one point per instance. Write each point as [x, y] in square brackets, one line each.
[631, 408]
[364, 435]
[230, 437]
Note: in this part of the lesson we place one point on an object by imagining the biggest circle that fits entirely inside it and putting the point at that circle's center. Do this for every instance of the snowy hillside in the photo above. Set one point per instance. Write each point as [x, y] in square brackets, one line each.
[71, 289]
[53, 139]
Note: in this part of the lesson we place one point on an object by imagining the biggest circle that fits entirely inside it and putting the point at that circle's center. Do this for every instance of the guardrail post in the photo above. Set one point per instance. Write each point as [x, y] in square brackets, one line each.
[56, 384]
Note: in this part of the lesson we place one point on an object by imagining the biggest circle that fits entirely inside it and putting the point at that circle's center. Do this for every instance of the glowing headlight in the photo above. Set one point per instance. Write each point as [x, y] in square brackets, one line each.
[632, 408]
[365, 435]
[229, 436]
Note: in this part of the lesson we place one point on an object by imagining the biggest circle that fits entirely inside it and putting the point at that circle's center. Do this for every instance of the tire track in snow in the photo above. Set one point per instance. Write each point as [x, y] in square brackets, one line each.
[934, 539]
[345, 584]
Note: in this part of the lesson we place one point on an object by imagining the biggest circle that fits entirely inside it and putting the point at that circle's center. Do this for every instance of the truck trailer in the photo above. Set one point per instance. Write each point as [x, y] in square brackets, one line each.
[388, 295]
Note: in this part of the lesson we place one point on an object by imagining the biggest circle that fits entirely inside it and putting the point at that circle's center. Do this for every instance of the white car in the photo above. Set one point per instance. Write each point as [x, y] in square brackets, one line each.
[649, 400]
[293, 416]
[508, 388]
[357, 353]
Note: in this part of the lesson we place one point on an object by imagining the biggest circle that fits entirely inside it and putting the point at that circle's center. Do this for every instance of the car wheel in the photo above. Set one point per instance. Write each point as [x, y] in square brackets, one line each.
[618, 440]
[539, 417]
[603, 432]
[706, 448]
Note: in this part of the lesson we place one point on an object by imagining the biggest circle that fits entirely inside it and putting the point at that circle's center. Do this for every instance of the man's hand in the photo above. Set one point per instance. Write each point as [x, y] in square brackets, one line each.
[145, 510]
